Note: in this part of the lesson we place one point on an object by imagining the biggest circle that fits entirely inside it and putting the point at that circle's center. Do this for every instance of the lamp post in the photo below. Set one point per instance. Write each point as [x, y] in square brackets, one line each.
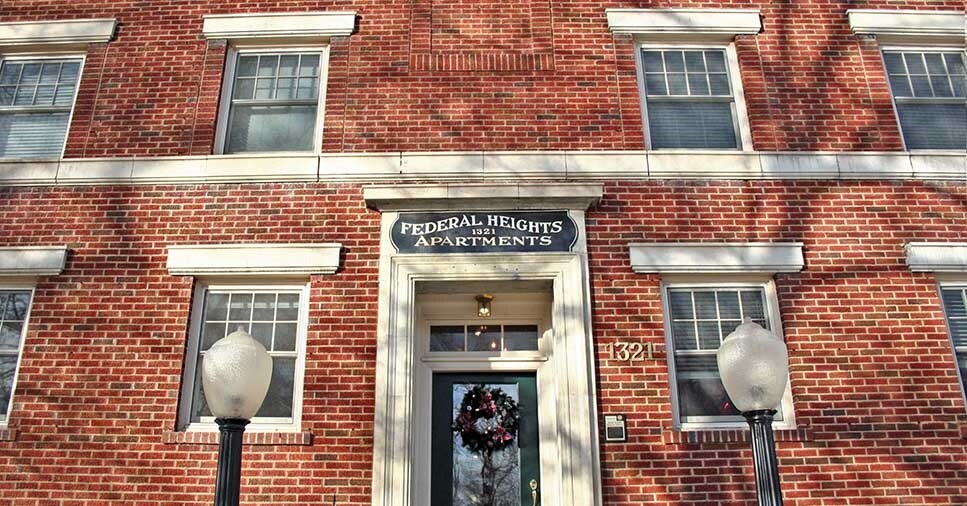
[754, 366]
[235, 372]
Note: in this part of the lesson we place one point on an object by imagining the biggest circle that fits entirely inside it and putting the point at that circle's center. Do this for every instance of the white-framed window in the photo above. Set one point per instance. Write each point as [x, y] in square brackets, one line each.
[929, 89]
[691, 97]
[37, 95]
[954, 297]
[14, 315]
[698, 316]
[273, 100]
[277, 316]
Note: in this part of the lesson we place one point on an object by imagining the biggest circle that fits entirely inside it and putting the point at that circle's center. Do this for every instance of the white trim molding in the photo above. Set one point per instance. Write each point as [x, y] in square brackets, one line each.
[66, 31]
[711, 22]
[573, 166]
[937, 256]
[433, 197]
[684, 257]
[256, 259]
[280, 25]
[909, 26]
[32, 260]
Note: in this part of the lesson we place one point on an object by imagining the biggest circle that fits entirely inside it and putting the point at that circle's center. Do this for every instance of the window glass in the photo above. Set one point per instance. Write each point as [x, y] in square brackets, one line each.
[275, 102]
[700, 319]
[272, 318]
[484, 338]
[955, 307]
[36, 97]
[14, 307]
[930, 92]
[688, 98]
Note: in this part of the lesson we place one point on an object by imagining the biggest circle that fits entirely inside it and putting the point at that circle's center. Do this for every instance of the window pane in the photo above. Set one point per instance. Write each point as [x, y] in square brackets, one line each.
[520, 337]
[278, 402]
[655, 84]
[700, 391]
[683, 334]
[10, 73]
[695, 61]
[962, 364]
[310, 65]
[10, 332]
[708, 335]
[677, 84]
[288, 307]
[705, 305]
[691, 125]
[483, 338]
[935, 64]
[921, 86]
[958, 331]
[264, 307]
[697, 84]
[8, 368]
[652, 61]
[264, 88]
[715, 61]
[719, 84]
[934, 126]
[32, 134]
[45, 95]
[308, 88]
[244, 89]
[210, 333]
[240, 307]
[953, 301]
[16, 306]
[915, 63]
[64, 94]
[6, 94]
[268, 66]
[446, 338]
[25, 95]
[247, 66]
[69, 72]
[285, 334]
[271, 128]
[674, 61]
[729, 305]
[288, 65]
[901, 86]
[216, 306]
[262, 332]
[894, 63]
[50, 73]
[752, 305]
[681, 301]
[30, 73]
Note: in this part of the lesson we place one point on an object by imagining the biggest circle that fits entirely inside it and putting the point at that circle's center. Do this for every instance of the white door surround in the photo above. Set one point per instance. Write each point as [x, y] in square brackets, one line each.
[570, 465]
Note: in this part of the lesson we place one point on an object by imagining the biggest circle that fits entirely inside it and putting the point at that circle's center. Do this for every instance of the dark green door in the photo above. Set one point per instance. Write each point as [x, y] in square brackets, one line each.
[485, 449]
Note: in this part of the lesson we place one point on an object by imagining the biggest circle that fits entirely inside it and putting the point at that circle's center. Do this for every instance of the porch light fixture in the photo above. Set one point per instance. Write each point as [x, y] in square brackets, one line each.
[235, 373]
[483, 305]
[754, 366]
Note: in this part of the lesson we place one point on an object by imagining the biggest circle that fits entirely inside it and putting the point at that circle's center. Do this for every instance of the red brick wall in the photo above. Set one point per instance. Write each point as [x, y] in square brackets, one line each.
[881, 415]
[555, 77]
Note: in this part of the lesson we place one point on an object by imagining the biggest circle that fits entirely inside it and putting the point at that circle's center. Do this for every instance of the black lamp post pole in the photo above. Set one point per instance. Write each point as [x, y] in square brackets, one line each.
[229, 477]
[767, 486]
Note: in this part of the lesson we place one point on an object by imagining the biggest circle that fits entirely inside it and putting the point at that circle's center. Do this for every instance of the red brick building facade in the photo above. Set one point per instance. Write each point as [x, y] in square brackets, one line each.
[151, 187]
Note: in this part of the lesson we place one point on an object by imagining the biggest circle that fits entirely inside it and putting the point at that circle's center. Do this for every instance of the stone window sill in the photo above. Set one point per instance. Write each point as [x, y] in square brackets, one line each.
[723, 436]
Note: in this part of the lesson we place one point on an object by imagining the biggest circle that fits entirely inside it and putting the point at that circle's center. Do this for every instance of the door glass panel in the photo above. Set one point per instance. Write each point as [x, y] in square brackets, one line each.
[486, 460]
[483, 338]
[484, 438]
[520, 337]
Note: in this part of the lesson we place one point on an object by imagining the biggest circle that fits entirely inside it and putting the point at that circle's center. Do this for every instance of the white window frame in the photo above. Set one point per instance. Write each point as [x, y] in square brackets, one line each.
[768, 287]
[740, 116]
[919, 48]
[19, 287]
[194, 341]
[48, 55]
[958, 282]
[228, 81]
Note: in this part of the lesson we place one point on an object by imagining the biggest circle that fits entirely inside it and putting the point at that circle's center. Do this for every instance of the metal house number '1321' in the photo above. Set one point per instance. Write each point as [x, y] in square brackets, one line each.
[630, 352]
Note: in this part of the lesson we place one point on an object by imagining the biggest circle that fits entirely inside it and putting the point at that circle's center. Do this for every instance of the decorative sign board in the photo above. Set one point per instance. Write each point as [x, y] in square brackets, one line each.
[615, 429]
[484, 232]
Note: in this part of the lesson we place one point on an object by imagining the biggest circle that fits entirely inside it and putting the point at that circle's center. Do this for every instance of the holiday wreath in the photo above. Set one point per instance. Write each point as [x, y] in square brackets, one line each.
[488, 419]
